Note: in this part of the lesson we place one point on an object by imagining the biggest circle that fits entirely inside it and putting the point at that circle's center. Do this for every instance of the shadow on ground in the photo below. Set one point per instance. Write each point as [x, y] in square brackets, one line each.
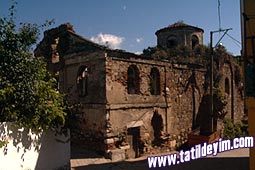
[199, 164]
[83, 153]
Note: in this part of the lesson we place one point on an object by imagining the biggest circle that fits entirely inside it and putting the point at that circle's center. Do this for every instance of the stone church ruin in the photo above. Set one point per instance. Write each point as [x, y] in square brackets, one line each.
[128, 103]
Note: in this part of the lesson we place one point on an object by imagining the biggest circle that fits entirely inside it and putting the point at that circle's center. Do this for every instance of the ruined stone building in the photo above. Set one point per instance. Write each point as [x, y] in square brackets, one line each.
[129, 102]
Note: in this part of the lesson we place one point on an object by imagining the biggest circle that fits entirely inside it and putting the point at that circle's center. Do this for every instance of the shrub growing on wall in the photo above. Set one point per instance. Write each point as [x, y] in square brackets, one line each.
[233, 130]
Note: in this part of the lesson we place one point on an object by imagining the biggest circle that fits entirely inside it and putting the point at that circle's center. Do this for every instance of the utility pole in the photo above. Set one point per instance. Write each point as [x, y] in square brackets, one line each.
[211, 73]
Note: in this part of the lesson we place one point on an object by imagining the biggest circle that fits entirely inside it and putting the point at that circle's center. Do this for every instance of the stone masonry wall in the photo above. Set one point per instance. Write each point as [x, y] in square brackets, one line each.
[95, 63]
[235, 102]
[127, 110]
[183, 37]
[90, 124]
[116, 83]
[184, 97]
[177, 105]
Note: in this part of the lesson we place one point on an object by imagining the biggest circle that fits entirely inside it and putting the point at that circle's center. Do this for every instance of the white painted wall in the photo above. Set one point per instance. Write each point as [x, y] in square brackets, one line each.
[27, 151]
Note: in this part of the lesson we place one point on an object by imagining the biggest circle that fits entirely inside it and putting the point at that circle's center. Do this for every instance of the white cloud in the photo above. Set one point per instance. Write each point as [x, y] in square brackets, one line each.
[138, 52]
[138, 40]
[108, 39]
[124, 7]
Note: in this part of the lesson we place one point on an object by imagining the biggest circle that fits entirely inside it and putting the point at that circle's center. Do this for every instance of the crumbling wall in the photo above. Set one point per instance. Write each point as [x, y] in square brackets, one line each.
[132, 110]
[186, 88]
[233, 91]
[239, 114]
[89, 127]
[96, 77]
[181, 94]
[116, 82]
[227, 87]
[90, 110]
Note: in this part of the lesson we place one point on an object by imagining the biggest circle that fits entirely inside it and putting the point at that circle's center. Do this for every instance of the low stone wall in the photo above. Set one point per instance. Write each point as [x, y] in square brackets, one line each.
[28, 151]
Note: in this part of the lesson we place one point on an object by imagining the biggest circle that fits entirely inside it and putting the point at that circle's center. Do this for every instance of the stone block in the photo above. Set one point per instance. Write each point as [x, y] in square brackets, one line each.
[125, 147]
[116, 139]
[109, 141]
[108, 135]
[172, 143]
[110, 146]
[117, 155]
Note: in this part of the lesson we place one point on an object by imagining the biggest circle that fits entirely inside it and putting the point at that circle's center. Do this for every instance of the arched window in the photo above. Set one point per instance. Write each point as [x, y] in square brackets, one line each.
[155, 81]
[133, 80]
[82, 81]
[172, 41]
[227, 86]
[194, 41]
[157, 125]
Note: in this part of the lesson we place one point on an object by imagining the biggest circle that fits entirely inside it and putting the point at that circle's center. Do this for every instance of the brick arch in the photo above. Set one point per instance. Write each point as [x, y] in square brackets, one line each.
[194, 41]
[226, 82]
[82, 81]
[172, 41]
[133, 82]
[155, 81]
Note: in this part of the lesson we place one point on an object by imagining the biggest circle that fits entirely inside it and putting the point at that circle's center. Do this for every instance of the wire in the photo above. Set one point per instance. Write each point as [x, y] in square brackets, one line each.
[234, 39]
[238, 43]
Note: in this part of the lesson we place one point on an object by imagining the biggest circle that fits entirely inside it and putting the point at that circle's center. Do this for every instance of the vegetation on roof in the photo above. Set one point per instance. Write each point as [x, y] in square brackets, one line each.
[178, 24]
[179, 54]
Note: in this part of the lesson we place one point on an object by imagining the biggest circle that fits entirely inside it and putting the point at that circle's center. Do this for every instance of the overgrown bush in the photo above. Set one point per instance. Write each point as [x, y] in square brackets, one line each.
[233, 130]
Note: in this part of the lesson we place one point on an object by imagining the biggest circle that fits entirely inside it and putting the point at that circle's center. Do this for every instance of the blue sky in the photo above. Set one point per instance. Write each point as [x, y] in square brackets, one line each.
[131, 24]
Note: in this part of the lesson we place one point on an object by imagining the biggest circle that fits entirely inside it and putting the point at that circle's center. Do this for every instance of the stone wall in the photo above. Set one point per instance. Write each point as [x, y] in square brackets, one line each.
[184, 98]
[182, 89]
[96, 77]
[90, 119]
[233, 92]
[127, 111]
[116, 82]
[181, 94]
[186, 91]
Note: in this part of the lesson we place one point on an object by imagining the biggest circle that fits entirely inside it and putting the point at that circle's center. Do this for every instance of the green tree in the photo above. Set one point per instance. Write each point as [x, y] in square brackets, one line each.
[27, 93]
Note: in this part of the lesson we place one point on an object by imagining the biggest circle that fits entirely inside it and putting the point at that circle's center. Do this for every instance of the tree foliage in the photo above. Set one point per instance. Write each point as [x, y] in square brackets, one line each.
[27, 94]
